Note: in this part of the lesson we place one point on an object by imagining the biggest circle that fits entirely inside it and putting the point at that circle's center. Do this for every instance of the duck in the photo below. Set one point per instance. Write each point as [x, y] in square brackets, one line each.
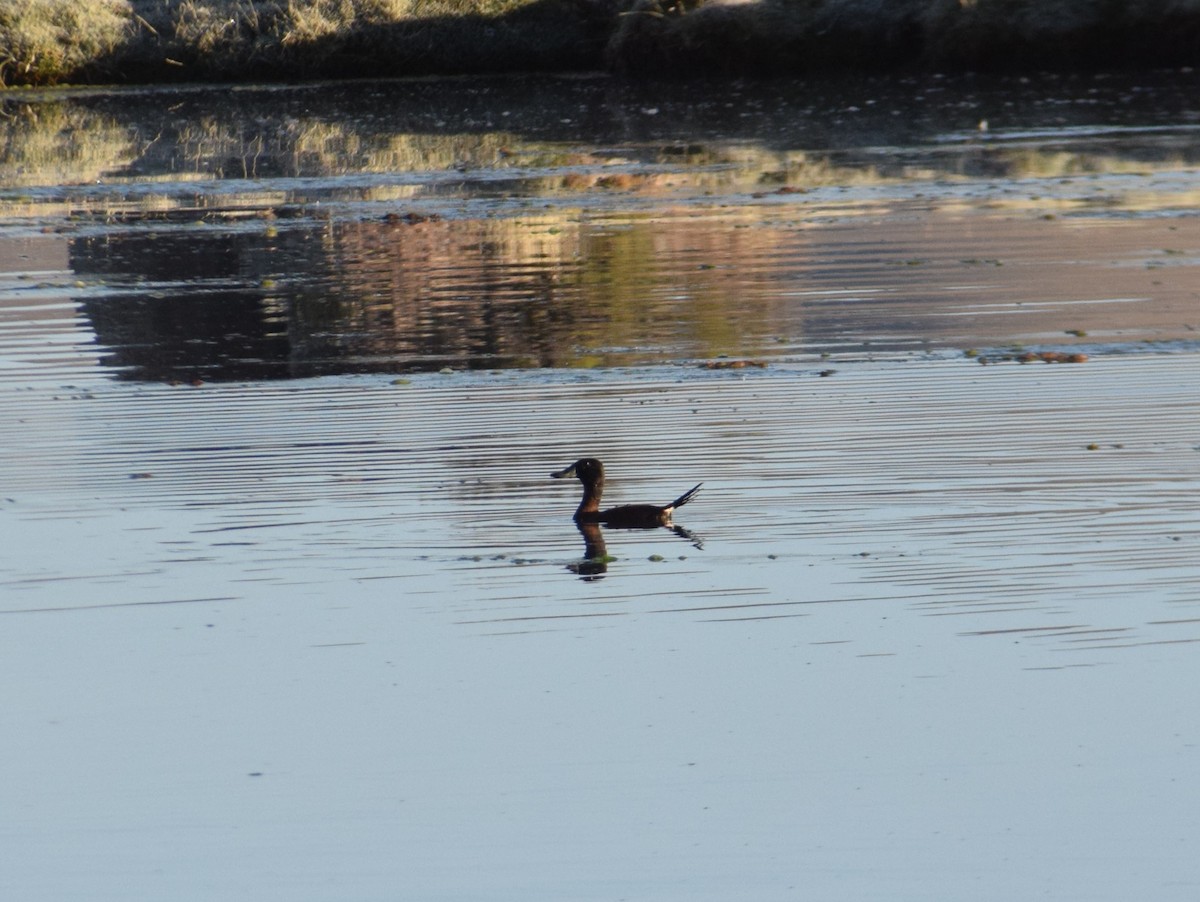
[590, 472]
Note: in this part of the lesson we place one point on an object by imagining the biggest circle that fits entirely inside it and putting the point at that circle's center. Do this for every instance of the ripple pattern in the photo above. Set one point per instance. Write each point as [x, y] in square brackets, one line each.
[1050, 505]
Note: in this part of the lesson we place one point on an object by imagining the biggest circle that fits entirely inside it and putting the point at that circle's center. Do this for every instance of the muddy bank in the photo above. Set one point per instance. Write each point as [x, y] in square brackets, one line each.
[46, 42]
[773, 37]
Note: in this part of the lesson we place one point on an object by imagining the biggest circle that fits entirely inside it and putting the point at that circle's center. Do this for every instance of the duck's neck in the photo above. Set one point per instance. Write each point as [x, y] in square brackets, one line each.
[591, 498]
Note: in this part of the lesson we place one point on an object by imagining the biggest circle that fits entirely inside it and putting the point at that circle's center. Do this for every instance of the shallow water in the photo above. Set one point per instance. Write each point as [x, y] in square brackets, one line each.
[927, 631]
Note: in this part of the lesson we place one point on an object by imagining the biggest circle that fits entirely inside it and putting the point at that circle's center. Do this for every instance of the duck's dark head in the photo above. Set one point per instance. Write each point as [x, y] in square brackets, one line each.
[587, 470]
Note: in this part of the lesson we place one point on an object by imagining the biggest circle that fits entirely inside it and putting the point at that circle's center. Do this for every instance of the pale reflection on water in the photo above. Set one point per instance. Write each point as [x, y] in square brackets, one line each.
[332, 627]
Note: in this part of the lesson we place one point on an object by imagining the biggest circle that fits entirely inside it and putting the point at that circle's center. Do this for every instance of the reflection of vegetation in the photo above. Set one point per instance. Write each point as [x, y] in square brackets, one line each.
[93, 147]
[475, 293]
[572, 289]
[54, 41]
[535, 292]
[313, 148]
[61, 144]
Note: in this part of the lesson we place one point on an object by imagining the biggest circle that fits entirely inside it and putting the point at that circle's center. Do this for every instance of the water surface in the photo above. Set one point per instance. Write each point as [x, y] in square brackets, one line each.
[290, 604]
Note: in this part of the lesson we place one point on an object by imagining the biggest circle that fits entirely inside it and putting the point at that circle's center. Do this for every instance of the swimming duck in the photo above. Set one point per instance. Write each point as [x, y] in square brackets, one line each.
[590, 472]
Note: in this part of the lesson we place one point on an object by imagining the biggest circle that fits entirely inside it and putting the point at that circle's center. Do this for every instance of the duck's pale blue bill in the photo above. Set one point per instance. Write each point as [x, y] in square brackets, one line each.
[564, 473]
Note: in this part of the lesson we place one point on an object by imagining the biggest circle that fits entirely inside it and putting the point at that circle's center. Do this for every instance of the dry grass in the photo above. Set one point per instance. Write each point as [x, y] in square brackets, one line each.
[42, 39]
[61, 41]
[55, 41]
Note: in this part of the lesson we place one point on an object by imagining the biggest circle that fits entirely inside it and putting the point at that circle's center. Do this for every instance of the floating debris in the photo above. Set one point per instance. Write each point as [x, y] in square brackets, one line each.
[1028, 357]
[732, 364]
[411, 218]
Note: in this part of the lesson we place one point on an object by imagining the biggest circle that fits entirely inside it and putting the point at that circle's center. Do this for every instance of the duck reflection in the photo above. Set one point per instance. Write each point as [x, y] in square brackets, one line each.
[595, 561]
[595, 553]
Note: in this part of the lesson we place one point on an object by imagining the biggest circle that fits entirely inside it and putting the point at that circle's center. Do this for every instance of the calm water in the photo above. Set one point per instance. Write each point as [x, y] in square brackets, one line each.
[320, 624]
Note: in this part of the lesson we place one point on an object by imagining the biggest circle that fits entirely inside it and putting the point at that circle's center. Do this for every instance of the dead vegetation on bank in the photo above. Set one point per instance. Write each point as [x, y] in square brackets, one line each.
[46, 42]
[57, 41]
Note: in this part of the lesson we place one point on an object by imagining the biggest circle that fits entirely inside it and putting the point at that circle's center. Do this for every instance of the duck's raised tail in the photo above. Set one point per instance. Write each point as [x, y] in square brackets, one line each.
[683, 499]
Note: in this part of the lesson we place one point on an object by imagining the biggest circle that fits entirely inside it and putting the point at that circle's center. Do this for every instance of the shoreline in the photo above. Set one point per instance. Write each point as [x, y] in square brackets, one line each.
[45, 43]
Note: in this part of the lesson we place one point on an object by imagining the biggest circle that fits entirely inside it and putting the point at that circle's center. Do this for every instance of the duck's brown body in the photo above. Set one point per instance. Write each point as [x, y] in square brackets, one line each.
[590, 472]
